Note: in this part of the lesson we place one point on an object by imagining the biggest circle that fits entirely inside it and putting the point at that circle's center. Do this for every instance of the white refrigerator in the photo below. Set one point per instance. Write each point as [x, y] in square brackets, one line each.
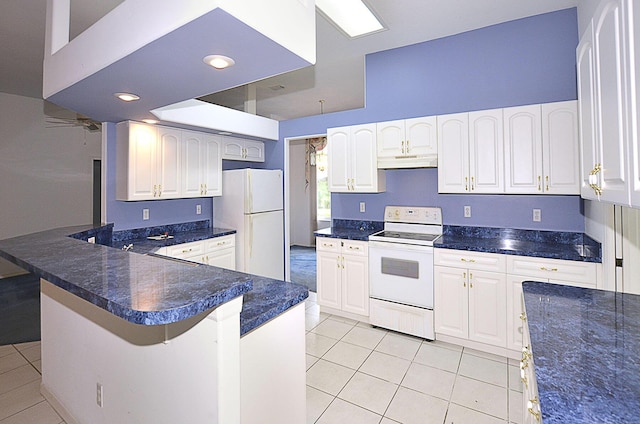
[251, 203]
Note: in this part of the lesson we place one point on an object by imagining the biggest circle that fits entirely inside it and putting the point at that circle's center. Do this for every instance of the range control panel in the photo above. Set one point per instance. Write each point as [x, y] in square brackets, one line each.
[413, 215]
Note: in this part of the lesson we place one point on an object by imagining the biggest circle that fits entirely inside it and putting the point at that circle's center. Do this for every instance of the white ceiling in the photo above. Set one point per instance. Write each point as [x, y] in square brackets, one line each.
[337, 78]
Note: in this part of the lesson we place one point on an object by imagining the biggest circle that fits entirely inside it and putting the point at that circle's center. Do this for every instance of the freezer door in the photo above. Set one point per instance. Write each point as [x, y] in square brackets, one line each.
[263, 245]
[263, 190]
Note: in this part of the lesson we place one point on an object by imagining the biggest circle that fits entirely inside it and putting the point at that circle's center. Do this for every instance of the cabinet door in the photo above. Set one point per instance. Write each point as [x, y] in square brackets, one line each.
[253, 151]
[586, 111]
[390, 139]
[488, 308]
[610, 106]
[222, 258]
[451, 302]
[355, 284]
[515, 311]
[560, 148]
[338, 158]
[169, 166]
[486, 169]
[421, 136]
[329, 270]
[523, 149]
[634, 76]
[191, 162]
[232, 148]
[143, 164]
[364, 166]
[211, 166]
[453, 153]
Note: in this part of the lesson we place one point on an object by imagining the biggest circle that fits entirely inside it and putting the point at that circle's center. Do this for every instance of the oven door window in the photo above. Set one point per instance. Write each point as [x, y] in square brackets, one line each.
[400, 267]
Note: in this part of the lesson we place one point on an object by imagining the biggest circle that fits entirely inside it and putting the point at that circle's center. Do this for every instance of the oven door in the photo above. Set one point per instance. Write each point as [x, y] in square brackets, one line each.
[401, 273]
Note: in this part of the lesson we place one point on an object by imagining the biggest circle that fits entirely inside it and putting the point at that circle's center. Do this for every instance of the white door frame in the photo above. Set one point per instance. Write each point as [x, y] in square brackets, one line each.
[287, 206]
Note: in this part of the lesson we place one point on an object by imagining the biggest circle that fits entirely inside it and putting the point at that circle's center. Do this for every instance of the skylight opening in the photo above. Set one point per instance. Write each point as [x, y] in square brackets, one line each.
[351, 16]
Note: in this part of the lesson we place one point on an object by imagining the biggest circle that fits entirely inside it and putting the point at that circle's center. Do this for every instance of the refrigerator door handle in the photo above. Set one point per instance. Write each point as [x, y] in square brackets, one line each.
[250, 246]
[249, 193]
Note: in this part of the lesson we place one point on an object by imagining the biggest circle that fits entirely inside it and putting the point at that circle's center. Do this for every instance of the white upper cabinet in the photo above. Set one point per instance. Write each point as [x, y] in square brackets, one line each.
[606, 73]
[407, 143]
[560, 148]
[202, 165]
[352, 160]
[156, 162]
[542, 149]
[453, 153]
[470, 152]
[486, 152]
[523, 149]
[242, 149]
[147, 162]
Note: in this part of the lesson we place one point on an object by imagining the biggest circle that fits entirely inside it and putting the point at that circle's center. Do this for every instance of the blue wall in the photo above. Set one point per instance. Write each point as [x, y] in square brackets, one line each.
[526, 61]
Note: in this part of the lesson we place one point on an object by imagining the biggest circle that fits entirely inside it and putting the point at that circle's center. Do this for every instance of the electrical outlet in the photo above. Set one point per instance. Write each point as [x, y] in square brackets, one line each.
[537, 215]
[198, 209]
[467, 211]
[362, 207]
[145, 214]
[99, 395]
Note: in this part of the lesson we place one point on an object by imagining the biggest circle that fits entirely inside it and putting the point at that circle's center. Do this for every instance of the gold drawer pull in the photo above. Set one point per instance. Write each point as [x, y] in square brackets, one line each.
[186, 250]
[544, 268]
[467, 260]
[354, 247]
[530, 404]
[523, 316]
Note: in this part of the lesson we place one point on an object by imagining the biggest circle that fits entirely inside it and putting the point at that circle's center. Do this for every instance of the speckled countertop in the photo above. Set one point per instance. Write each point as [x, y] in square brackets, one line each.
[586, 352]
[542, 244]
[351, 229]
[126, 280]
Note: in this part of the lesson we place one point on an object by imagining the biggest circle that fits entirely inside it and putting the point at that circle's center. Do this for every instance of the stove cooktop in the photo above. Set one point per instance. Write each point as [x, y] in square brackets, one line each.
[404, 237]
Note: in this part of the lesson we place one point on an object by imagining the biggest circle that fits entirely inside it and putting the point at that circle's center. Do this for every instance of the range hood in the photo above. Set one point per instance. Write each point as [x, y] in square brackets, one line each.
[155, 49]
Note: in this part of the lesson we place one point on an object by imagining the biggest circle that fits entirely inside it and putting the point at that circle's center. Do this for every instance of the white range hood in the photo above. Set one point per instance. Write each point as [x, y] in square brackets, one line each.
[155, 49]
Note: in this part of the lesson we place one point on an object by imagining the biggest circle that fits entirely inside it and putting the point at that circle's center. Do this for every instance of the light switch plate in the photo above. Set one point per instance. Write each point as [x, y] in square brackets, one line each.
[362, 207]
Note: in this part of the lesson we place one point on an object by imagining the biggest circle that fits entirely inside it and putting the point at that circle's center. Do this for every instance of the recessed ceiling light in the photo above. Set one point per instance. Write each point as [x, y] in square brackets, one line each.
[352, 16]
[150, 121]
[219, 61]
[126, 97]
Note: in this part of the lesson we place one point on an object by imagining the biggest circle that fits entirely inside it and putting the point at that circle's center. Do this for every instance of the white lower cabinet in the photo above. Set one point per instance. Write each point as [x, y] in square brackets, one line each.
[343, 276]
[218, 251]
[557, 271]
[470, 296]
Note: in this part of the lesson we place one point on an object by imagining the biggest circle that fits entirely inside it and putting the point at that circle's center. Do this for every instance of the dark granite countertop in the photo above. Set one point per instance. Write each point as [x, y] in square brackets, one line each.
[125, 280]
[541, 244]
[141, 244]
[586, 352]
[351, 229]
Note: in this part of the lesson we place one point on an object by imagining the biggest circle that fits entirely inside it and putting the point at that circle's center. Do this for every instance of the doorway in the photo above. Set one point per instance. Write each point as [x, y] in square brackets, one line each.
[307, 205]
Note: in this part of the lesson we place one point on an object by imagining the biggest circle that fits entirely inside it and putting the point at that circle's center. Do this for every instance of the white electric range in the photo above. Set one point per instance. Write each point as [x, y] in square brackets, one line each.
[401, 270]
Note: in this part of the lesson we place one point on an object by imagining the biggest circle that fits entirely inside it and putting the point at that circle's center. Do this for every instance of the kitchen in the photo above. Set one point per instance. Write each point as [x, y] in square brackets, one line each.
[516, 83]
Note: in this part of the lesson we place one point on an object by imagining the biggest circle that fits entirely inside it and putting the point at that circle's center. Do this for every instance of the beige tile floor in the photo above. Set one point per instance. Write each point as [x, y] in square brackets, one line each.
[355, 374]
[360, 374]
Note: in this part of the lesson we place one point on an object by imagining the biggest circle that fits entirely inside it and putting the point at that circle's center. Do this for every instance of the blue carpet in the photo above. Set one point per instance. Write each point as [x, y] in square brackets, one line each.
[19, 309]
[303, 266]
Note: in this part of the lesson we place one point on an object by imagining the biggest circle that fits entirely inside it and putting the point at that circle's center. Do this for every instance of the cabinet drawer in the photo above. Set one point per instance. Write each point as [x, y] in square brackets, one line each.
[327, 244]
[553, 269]
[472, 260]
[214, 244]
[354, 247]
[186, 249]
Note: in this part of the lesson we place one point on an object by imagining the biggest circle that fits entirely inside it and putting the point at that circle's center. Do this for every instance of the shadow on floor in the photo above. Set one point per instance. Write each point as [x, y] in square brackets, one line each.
[303, 266]
[19, 309]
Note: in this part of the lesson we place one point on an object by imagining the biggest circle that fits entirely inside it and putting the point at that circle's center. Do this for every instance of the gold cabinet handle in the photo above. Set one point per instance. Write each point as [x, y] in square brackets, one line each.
[593, 179]
[530, 404]
[407, 146]
[539, 183]
[338, 261]
[523, 378]
[354, 247]
[467, 260]
[544, 268]
[402, 144]
[159, 190]
[155, 190]
[343, 262]
[473, 187]
[187, 250]
[546, 180]
[523, 316]
[466, 183]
